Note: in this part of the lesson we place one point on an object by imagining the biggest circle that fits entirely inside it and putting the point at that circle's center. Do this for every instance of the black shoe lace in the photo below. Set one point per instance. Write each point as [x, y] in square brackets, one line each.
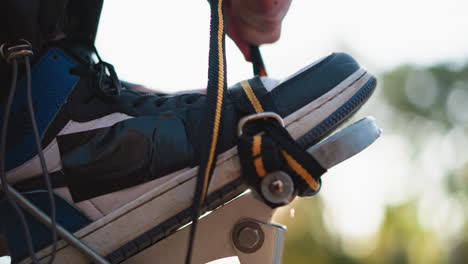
[110, 86]
[108, 82]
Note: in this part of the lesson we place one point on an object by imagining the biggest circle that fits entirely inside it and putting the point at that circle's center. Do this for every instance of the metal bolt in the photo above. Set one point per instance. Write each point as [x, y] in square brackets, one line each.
[276, 187]
[248, 237]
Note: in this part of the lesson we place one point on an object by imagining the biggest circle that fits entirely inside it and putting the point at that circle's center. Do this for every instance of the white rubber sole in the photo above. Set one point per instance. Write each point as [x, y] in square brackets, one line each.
[133, 211]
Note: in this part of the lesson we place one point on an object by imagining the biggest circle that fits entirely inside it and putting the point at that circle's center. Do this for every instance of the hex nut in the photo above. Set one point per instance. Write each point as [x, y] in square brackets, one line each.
[248, 236]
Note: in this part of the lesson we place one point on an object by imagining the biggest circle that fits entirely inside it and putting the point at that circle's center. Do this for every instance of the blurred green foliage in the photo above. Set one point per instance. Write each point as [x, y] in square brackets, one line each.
[415, 98]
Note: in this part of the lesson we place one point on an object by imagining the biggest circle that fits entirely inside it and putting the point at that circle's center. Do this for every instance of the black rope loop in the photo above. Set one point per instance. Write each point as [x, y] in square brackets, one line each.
[18, 49]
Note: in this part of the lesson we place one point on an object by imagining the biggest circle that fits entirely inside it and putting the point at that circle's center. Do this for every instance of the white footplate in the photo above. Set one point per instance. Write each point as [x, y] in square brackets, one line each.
[243, 227]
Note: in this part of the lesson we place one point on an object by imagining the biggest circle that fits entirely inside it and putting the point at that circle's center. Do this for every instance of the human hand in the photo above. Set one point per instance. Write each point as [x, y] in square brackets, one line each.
[254, 22]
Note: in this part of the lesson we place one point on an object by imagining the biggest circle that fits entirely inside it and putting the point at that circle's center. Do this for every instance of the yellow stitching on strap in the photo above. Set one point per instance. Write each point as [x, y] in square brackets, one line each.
[256, 150]
[259, 167]
[256, 145]
[301, 171]
[219, 99]
[252, 97]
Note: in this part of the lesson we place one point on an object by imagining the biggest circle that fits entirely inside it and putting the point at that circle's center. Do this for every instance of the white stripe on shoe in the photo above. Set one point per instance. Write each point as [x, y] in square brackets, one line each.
[32, 168]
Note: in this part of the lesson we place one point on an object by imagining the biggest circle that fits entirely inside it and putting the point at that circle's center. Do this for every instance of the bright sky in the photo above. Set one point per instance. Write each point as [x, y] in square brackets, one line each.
[164, 44]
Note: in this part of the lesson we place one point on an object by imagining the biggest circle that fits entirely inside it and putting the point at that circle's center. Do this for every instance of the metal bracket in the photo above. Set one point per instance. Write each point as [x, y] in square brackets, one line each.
[236, 223]
[271, 248]
[243, 227]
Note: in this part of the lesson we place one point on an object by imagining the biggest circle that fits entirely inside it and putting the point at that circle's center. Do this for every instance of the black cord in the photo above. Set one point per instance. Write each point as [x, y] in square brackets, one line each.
[6, 186]
[42, 160]
[24, 50]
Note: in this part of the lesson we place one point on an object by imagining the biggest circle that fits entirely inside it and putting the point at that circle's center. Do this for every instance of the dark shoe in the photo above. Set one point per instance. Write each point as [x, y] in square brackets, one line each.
[71, 93]
[99, 137]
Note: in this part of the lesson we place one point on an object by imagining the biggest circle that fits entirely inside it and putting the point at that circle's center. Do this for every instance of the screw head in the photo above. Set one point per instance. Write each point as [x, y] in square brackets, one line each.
[277, 187]
[248, 236]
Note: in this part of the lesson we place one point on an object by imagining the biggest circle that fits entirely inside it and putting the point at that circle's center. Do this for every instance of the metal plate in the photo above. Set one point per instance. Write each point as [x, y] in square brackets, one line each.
[346, 143]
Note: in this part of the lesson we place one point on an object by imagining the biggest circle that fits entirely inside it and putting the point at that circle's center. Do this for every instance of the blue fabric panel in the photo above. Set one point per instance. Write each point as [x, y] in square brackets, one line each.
[51, 84]
[67, 216]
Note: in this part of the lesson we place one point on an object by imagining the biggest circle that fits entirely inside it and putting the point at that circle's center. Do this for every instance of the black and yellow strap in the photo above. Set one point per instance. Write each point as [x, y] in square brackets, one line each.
[259, 154]
[215, 97]
[211, 125]
[257, 61]
[266, 146]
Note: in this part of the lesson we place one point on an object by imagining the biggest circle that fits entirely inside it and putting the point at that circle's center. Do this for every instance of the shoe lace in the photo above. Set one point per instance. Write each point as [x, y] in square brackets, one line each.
[109, 84]
[108, 81]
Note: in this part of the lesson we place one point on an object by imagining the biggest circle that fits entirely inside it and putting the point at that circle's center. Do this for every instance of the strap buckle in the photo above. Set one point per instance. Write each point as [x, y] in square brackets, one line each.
[256, 116]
